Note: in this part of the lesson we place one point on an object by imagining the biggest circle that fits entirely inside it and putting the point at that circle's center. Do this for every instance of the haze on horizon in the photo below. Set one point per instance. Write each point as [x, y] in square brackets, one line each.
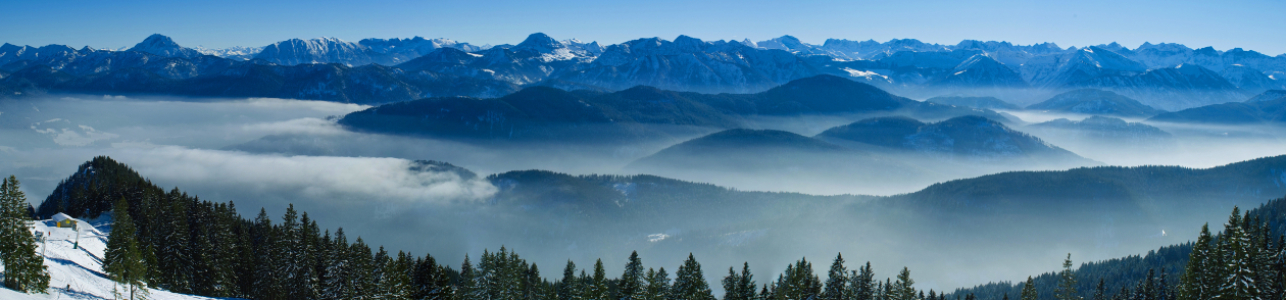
[1246, 24]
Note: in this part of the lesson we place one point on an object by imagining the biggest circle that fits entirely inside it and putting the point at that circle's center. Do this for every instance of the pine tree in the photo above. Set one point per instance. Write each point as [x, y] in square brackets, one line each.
[567, 287]
[1238, 283]
[596, 289]
[632, 281]
[904, 288]
[862, 283]
[1029, 290]
[1101, 290]
[468, 286]
[690, 282]
[836, 281]
[739, 286]
[122, 260]
[1197, 282]
[24, 268]
[658, 285]
[1067, 282]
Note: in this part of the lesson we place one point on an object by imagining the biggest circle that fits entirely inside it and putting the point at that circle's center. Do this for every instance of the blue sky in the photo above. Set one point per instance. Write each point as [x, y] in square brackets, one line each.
[1252, 25]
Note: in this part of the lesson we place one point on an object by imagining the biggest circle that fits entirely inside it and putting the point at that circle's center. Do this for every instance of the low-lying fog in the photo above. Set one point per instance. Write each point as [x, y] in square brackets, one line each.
[270, 152]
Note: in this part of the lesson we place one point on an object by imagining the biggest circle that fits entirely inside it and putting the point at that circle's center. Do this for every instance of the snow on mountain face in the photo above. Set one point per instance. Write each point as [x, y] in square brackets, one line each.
[690, 64]
[234, 53]
[323, 50]
[547, 49]
[981, 70]
[76, 269]
[164, 46]
[1249, 79]
[411, 48]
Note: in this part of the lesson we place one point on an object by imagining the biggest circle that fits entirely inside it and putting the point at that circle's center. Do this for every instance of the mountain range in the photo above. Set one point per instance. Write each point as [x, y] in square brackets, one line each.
[1166, 76]
[545, 113]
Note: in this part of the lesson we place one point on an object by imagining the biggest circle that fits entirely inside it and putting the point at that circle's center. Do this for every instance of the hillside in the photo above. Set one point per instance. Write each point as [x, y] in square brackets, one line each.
[1105, 131]
[967, 138]
[1095, 102]
[976, 102]
[74, 262]
[544, 113]
[1268, 108]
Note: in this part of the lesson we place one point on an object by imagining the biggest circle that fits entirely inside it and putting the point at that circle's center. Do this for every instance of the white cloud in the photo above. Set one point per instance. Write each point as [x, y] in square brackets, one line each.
[296, 126]
[316, 177]
[320, 106]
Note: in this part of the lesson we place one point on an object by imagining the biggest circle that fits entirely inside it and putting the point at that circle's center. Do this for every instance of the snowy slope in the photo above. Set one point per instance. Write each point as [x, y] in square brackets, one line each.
[78, 273]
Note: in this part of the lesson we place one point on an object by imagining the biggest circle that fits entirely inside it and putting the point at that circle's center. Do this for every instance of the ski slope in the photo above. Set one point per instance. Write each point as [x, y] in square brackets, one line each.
[77, 272]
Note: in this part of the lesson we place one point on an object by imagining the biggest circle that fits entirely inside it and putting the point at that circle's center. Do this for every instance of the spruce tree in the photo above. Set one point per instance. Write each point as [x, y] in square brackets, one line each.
[836, 280]
[567, 286]
[731, 290]
[658, 285]
[122, 260]
[632, 281]
[1101, 290]
[862, 283]
[1067, 282]
[1197, 282]
[690, 282]
[739, 286]
[1238, 283]
[596, 289]
[904, 289]
[1028, 291]
[24, 268]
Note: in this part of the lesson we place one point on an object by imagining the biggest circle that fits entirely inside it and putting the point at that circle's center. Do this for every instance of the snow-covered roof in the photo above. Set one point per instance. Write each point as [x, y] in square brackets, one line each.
[59, 217]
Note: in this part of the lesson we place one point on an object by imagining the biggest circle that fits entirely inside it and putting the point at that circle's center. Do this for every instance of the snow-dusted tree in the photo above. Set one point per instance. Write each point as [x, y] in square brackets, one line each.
[632, 282]
[861, 283]
[904, 288]
[596, 288]
[1028, 291]
[1066, 289]
[24, 269]
[690, 283]
[836, 281]
[1237, 252]
[739, 286]
[121, 260]
[658, 285]
[1199, 281]
[568, 287]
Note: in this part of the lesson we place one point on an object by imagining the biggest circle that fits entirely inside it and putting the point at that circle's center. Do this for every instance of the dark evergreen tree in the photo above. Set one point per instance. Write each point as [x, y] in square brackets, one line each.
[632, 281]
[690, 282]
[122, 260]
[836, 281]
[862, 283]
[904, 288]
[1067, 284]
[1029, 291]
[596, 289]
[24, 269]
[1236, 251]
[658, 285]
[567, 287]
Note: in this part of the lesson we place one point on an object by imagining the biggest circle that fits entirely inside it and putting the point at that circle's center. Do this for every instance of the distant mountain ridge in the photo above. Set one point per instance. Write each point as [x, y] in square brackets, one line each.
[1167, 76]
[545, 113]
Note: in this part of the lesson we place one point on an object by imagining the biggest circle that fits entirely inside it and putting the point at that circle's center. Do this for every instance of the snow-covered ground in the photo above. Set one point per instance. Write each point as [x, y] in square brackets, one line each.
[77, 272]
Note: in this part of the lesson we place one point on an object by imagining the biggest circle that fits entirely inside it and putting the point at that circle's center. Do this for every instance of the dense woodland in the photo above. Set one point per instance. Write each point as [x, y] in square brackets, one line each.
[173, 241]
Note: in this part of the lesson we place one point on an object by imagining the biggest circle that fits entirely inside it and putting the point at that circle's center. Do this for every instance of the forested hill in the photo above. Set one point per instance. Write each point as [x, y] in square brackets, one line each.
[1263, 228]
[1025, 210]
[545, 113]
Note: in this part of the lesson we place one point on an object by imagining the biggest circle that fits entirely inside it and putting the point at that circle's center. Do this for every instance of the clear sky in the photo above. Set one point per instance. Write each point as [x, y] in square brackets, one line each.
[1253, 25]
